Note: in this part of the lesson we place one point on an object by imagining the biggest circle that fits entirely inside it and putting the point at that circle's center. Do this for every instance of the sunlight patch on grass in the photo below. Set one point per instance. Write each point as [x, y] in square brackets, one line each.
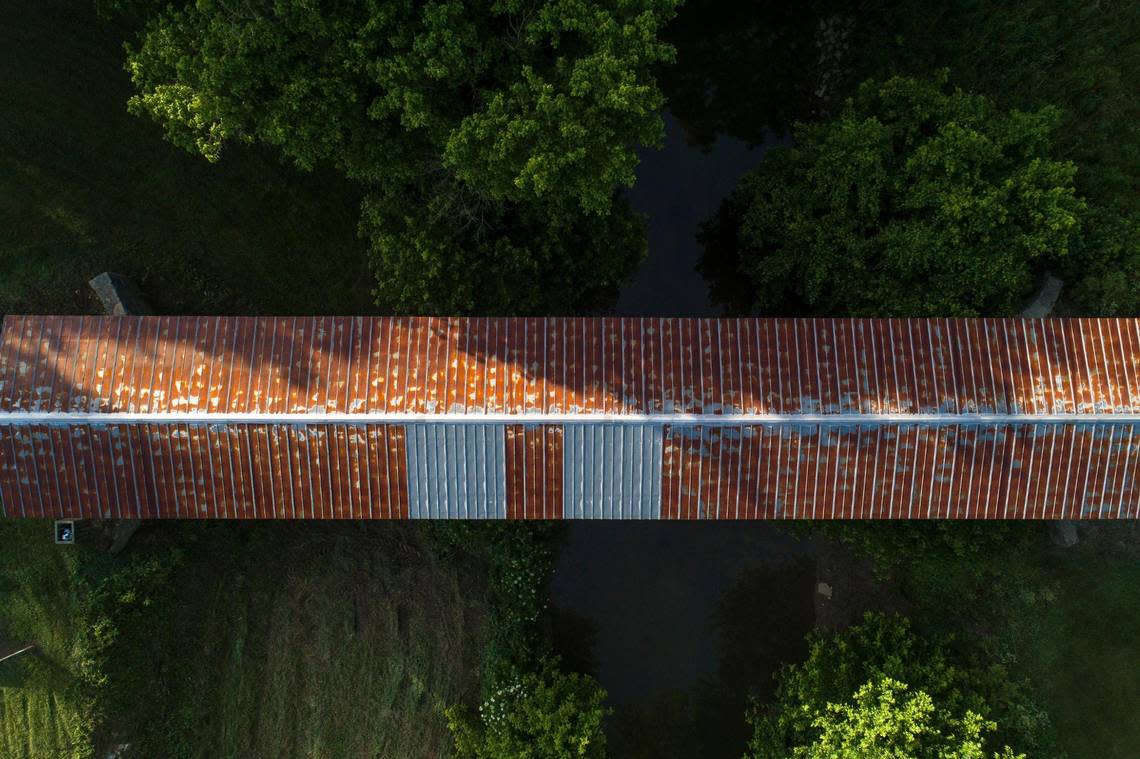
[46, 714]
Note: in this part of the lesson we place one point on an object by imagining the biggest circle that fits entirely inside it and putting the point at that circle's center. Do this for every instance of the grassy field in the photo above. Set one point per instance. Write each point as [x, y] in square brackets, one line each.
[307, 640]
[1065, 621]
[85, 187]
[50, 716]
[35, 723]
[1083, 655]
[263, 640]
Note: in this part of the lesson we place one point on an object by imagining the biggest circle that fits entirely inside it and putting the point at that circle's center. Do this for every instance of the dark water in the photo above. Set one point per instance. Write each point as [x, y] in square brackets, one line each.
[651, 589]
[681, 622]
[677, 188]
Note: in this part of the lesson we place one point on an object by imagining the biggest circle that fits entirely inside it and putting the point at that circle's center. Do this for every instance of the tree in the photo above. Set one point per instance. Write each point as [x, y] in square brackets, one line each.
[1082, 57]
[875, 691]
[915, 200]
[541, 715]
[523, 258]
[883, 721]
[491, 137]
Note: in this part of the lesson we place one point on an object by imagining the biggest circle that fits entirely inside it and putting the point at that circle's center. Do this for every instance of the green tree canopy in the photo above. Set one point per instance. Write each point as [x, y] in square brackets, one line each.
[875, 691]
[491, 136]
[914, 200]
[1082, 57]
[884, 721]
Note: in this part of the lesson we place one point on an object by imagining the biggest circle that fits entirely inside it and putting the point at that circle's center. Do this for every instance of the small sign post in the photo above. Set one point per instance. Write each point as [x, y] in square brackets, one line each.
[65, 531]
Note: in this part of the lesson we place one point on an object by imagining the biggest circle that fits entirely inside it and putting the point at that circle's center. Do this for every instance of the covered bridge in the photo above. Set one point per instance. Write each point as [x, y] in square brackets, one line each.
[331, 417]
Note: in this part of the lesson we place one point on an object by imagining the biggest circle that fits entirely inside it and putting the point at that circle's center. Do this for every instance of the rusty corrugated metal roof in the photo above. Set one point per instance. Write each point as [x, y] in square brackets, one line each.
[568, 417]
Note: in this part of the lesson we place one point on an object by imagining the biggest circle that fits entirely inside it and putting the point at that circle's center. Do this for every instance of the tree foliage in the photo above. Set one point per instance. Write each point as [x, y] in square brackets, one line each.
[541, 715]
[885, 721]
[915, 200]
[489, 135]
[1081, 57]
[876, 691]
[890, 545]
[453, 252]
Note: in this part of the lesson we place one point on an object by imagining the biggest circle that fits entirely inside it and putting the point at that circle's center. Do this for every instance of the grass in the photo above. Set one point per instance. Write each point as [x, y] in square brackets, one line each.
[49, 716]
[240, 640]
[303, 640]
[1065, 622]
[35, 723]
[1083, 657]
[86, 187]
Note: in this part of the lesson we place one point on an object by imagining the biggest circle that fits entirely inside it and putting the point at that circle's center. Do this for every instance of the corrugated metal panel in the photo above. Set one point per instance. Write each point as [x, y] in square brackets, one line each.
[432, 365]
[533, 464]
[1029, 471]
[612, 472]
[608, 471]
[456, 471]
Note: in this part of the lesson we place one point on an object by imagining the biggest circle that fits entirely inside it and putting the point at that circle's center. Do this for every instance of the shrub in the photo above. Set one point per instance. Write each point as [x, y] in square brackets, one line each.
[891, 544]
[885, 721]
[519, 559]
[540, 715]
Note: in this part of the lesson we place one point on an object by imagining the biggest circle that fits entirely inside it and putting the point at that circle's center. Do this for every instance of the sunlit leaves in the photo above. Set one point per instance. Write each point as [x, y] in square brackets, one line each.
[915, 200]
[876, 691]
[492, 138]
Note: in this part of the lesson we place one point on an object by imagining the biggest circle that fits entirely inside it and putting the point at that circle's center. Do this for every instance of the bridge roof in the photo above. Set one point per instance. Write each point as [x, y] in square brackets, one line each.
[568, 417]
